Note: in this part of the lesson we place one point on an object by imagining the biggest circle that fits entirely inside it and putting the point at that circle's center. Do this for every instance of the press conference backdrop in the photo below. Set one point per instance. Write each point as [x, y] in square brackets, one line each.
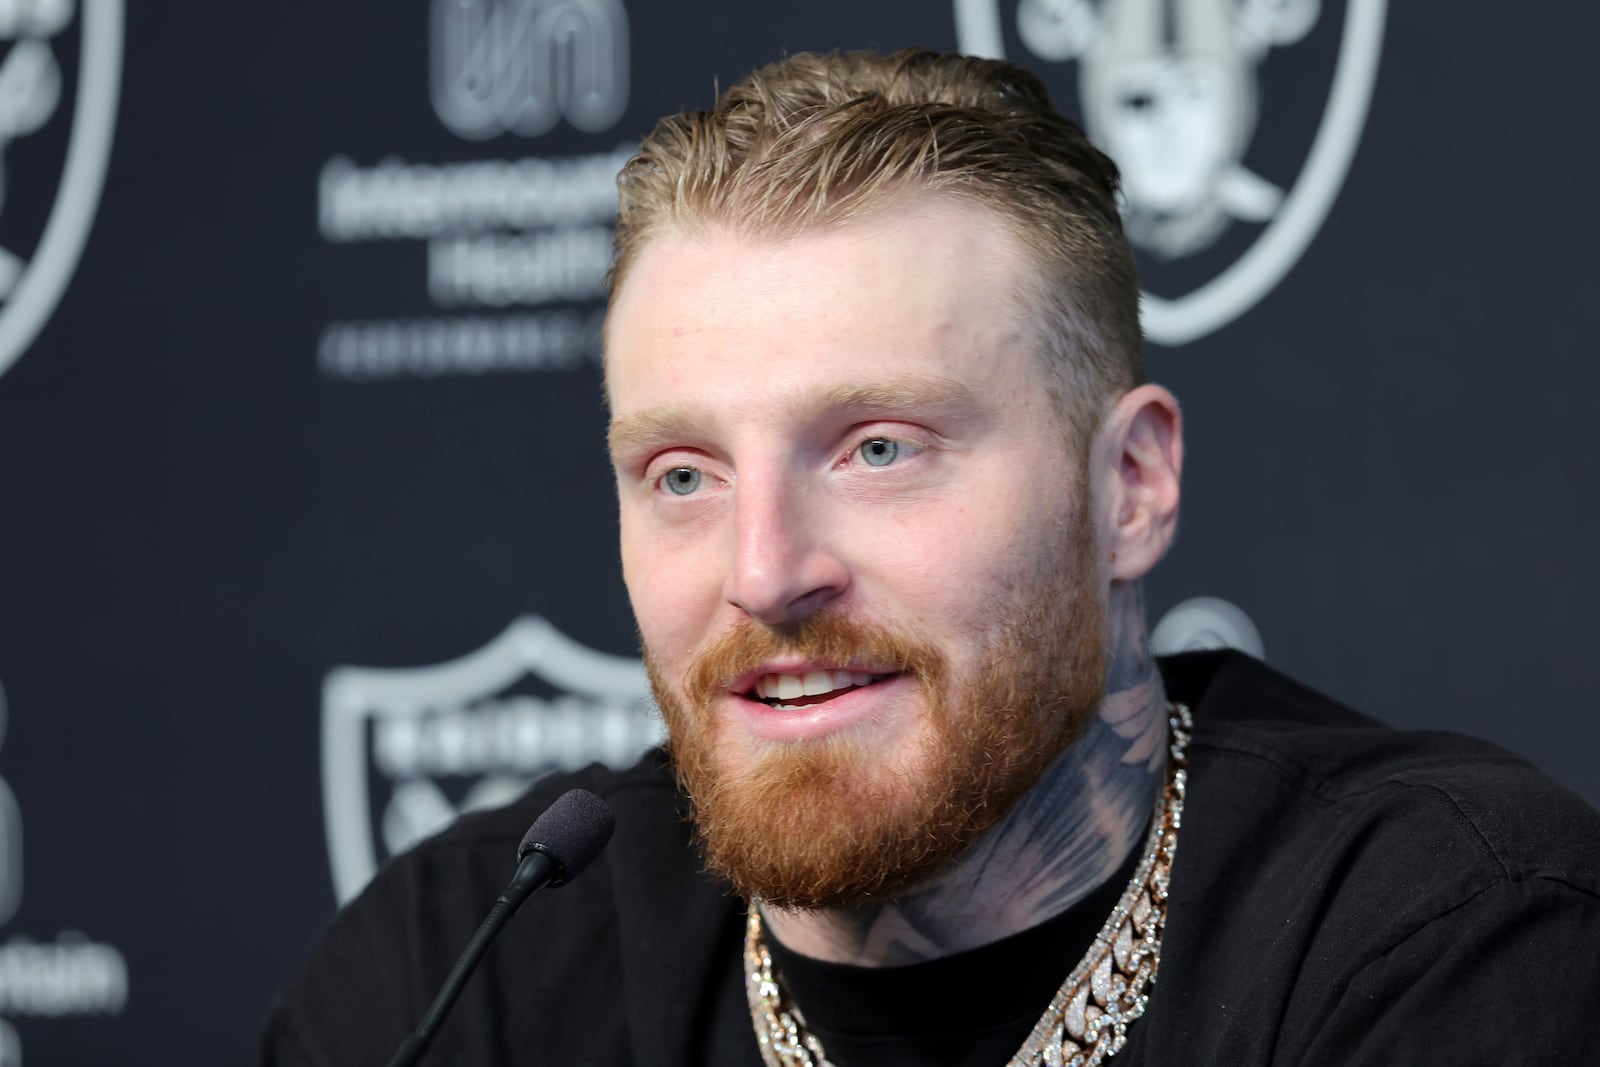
[307, 538]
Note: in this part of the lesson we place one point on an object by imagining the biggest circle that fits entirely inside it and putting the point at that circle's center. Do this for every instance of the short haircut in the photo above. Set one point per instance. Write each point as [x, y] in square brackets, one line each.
[817, 140]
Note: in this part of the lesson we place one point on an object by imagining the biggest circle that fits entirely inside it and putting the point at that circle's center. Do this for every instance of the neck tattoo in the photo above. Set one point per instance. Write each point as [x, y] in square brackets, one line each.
[1088, 1018]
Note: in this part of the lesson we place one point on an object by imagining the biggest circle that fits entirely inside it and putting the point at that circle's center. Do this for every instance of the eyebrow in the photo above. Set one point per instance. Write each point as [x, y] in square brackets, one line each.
[897, 396]
[632, 432]
[912, 392]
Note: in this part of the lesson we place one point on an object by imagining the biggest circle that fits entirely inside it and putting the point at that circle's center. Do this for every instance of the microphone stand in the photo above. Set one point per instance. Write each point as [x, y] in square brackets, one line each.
[534, 871]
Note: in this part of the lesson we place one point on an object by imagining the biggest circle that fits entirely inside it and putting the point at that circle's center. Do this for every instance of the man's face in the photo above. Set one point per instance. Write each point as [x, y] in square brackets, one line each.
[856, 541]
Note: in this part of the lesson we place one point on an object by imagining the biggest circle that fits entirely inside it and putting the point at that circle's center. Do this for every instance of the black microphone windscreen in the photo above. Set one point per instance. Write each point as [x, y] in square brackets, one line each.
[572, 831]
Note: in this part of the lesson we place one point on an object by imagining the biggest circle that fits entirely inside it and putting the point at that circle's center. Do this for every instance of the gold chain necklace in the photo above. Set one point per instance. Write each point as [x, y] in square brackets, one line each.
[1088, 1018]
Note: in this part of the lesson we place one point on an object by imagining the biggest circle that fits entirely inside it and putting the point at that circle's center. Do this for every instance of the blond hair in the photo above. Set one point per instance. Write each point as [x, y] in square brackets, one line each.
[816, 140]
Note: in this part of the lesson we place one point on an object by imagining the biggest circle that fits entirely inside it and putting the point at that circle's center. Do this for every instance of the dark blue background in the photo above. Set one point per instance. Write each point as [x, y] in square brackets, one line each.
[1389, 456]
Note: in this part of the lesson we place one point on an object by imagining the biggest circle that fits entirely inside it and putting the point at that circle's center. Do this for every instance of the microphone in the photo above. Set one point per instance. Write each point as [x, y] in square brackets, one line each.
[555, 850]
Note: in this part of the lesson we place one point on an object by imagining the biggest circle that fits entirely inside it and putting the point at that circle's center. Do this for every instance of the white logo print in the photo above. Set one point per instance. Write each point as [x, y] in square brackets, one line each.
[70, 975]
[1170, 89]
[519, 66]
[30, 92]
[1206, 622]
[461, 721]
[10, 841]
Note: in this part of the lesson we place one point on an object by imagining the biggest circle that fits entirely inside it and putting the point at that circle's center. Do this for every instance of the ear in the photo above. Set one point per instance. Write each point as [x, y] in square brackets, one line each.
[1137, 463]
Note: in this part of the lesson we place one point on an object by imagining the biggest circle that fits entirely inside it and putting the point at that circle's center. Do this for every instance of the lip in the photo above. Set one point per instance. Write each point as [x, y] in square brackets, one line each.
[816, 721]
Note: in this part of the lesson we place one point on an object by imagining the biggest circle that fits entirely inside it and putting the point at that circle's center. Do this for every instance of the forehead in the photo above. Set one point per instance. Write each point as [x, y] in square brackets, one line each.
[924, 286]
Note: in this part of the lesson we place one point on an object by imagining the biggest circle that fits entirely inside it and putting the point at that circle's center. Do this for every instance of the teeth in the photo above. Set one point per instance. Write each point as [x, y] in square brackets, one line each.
[816, 683]
[811, 684]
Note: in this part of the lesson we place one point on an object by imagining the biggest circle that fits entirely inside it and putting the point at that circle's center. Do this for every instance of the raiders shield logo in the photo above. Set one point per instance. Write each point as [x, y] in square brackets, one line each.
[1178, 93]
[1206, 622]
[38, 93]
[10, 839]
[405, 750]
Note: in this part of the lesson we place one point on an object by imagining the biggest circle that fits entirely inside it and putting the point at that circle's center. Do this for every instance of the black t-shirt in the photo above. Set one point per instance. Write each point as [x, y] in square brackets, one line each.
[972, 1009]
[1343, 894]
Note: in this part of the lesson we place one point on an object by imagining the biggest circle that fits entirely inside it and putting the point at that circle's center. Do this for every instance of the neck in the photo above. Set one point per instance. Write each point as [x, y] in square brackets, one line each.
[1070, 833]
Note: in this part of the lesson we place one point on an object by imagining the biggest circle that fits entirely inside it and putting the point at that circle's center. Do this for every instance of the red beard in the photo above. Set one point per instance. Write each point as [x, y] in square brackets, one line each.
[826, 823]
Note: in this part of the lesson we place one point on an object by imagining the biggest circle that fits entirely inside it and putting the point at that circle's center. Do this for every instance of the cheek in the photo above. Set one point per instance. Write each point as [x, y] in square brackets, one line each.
[951, 560]
[672, 594]
[976, 580]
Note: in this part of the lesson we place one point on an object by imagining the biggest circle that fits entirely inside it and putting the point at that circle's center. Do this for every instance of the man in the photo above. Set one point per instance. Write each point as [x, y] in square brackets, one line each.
[888, 476]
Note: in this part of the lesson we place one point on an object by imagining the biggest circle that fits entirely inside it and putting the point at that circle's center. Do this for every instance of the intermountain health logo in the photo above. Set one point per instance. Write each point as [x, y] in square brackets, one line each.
[519, 66]
[511, 248]
[37, 91]
[406, 749]
[1225, 185]
[67, 976]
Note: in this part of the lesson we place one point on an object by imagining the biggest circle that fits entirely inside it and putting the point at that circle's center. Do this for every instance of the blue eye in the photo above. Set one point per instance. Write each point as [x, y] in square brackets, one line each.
[681, 481]
[879, 451]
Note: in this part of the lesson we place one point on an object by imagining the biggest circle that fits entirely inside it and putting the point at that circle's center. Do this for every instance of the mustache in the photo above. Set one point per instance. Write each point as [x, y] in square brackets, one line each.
[826, 637]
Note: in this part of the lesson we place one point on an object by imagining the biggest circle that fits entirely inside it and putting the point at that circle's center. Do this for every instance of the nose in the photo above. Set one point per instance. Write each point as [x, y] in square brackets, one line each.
[785, 563]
